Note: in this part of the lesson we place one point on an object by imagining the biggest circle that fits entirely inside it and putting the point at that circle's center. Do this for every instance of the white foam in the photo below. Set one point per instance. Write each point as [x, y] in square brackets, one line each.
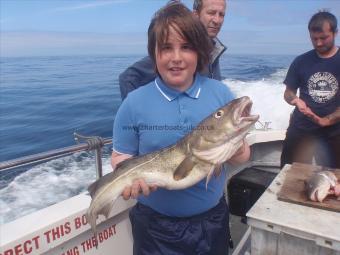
[267, 97]
[47, 184]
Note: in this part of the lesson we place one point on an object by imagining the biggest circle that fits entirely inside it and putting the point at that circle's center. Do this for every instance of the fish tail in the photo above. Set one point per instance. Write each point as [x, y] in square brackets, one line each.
[91, 219]
[96, 240]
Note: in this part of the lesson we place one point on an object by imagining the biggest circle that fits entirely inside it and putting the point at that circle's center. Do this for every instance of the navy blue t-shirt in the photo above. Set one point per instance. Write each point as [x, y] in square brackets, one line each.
[318, 81]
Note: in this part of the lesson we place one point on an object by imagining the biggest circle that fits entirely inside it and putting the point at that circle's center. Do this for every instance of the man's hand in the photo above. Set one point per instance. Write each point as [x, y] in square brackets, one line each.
[116, 158]
[301, 105]
[291, 98]
[138, 187]
[331, 119]
[321, 121]
[303, 108]
[328, 120]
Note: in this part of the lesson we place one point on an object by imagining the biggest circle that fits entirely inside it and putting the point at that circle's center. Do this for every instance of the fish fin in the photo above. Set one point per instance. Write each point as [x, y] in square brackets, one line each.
[106, 209]
[211, 172]
[218, 170]
[92, 189]
[318, 196]
[321, 195]
[184, 168]
[92, 221]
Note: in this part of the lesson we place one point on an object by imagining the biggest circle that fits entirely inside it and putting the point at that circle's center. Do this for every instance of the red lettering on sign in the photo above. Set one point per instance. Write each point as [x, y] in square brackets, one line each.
[67, 228]
[77, 223]
[110, 232]
[8, 252]
[36, 242]
[101, 236]
[84, 220]
[80, 221]
[26, 247]
[57, 232]
[18, 249]
[89, 244]
[83, 246]
[73, 251]
[47, 235]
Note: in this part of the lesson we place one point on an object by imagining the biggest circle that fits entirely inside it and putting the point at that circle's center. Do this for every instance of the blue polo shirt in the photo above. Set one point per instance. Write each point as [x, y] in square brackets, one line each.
[155, 116]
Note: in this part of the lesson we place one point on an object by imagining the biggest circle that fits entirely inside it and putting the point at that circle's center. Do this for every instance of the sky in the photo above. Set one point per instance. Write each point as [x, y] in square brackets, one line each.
[107, 27]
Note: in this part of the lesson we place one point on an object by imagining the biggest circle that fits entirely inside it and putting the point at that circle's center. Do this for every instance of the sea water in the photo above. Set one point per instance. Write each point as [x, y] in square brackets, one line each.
[44, 100]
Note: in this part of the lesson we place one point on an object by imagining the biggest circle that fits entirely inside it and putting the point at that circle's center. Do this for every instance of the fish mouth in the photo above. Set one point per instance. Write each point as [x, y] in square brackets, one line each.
[243, 114]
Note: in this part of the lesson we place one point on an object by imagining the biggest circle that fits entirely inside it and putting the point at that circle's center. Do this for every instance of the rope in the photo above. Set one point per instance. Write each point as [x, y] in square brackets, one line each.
[93, 142]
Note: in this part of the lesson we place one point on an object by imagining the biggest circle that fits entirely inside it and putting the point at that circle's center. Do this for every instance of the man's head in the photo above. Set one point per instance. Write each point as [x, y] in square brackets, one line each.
[211, 14]
[323, 30]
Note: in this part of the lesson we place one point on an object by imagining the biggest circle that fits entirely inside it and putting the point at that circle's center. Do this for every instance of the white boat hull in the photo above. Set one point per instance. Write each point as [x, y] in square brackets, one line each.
[62, 229]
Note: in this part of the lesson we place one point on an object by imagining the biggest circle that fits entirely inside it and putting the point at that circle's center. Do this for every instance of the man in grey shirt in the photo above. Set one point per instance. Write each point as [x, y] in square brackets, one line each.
[211, 14]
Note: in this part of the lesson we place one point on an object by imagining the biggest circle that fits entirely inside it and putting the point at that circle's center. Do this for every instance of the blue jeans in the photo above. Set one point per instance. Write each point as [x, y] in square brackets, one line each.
[203, 234]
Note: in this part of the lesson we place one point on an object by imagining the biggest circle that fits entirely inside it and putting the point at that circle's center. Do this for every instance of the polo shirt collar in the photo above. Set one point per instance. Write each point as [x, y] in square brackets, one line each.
[170, 94]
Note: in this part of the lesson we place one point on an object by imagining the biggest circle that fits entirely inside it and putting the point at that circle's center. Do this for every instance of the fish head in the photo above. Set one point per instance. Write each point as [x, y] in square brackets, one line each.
[223, 131]
[232, 120]
[330, 176]
[317, 189]
[318, 186]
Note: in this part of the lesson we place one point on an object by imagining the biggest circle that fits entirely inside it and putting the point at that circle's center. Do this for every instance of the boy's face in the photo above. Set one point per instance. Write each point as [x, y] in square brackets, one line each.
[176, 61]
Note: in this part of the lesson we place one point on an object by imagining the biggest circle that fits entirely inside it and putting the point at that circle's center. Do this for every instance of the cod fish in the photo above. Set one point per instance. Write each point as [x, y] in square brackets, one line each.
[321, 184]
[191, 159]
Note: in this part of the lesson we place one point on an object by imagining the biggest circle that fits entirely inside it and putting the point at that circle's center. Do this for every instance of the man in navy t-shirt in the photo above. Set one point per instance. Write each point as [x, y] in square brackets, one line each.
[314, 128]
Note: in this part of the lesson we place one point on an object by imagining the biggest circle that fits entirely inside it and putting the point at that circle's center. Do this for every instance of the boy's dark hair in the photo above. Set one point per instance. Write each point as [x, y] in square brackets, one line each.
[180, 18]
[316, 22]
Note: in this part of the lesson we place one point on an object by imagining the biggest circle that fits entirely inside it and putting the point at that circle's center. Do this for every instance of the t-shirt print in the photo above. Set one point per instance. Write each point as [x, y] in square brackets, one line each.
[322, 86]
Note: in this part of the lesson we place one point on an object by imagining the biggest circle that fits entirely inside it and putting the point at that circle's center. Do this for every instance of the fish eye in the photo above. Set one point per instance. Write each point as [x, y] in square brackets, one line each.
[219, 114]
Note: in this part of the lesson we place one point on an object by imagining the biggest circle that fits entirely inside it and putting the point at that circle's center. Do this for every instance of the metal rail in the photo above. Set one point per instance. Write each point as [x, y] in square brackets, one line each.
[45, 156]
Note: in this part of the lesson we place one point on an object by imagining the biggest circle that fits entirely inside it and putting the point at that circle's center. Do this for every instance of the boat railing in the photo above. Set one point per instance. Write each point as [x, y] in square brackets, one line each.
[95, 143]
